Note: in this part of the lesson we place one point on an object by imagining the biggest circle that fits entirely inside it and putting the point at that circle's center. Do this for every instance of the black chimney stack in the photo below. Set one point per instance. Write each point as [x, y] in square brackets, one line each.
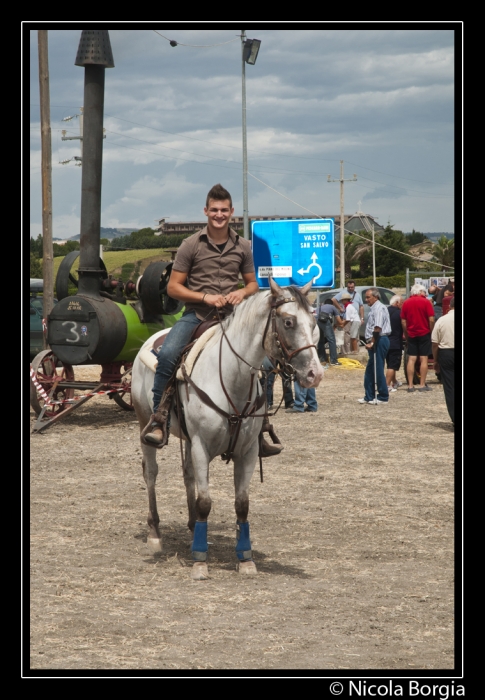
[94, 54]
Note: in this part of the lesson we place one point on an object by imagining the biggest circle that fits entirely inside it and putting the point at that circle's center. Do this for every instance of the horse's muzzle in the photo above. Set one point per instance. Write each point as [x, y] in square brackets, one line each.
[313, 376]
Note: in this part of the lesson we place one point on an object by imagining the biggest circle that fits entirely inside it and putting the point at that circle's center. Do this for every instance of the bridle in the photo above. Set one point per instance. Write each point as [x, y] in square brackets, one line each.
[250, 408]
[286, 355]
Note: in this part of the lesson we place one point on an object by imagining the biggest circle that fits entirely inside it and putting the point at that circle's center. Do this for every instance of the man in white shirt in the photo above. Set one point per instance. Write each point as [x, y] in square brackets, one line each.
[443, 346]
[352, 316]
[377, 333]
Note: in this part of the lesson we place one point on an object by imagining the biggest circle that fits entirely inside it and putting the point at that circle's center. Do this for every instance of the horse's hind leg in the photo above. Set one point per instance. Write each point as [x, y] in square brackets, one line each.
[150, 471]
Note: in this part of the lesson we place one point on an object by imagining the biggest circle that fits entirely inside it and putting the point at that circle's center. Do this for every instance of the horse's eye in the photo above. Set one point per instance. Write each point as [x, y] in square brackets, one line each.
[289, 323]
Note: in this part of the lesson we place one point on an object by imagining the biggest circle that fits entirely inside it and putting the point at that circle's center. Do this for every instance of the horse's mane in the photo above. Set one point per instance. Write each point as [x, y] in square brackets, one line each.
[247, 311]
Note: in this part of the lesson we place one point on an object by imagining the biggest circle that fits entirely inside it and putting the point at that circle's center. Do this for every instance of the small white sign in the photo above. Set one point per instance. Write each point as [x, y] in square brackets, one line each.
[314, 228]
[283, 271]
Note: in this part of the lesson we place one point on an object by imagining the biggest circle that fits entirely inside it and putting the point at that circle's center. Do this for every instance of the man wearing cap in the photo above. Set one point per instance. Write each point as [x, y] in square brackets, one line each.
[352, 323]
[355, 300]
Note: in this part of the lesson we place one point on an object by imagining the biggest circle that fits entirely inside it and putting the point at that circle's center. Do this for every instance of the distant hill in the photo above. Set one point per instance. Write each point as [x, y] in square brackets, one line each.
[434, 236]
[108, 233]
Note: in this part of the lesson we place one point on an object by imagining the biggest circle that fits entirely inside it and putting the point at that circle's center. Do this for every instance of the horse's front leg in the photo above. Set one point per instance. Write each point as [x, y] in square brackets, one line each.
[203, 503]
[189, 481]
[243, 471]
[150, 471]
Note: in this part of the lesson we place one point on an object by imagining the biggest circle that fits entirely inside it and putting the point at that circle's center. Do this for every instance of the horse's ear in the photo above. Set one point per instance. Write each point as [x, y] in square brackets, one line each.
[275, 288]
[304, 290]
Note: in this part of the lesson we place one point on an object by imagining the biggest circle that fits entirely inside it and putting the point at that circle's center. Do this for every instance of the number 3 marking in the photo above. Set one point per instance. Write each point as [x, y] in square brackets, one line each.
[73, 331]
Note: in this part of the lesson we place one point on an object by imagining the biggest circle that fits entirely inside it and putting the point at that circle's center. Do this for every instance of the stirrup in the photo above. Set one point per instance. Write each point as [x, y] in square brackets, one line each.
[268, 450]
[267, 427]
[161, 421]
[265, 448]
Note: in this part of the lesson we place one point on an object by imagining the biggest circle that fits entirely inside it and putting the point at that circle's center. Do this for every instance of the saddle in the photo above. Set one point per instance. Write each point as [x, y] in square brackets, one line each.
[182, 371]
[149, 357]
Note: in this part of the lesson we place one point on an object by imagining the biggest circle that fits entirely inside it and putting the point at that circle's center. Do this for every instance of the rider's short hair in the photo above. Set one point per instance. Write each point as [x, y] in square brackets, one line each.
[219, 193]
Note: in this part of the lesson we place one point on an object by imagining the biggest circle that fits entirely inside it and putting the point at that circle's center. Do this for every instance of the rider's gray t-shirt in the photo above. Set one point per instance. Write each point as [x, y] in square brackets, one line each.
[210, 270]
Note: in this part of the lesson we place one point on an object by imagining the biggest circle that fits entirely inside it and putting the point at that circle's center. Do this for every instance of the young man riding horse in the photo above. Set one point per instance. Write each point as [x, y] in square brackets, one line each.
[205, 276]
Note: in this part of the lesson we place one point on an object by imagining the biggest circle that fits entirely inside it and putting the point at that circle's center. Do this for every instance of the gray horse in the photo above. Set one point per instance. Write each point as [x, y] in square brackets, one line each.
[222, 410]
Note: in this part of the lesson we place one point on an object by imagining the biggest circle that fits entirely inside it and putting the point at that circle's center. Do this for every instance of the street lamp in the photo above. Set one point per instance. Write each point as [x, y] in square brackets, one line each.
[249, 53]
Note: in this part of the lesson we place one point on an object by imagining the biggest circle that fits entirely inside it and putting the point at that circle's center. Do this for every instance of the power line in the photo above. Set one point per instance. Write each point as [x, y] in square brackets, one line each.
[272, 154]
[193, 46]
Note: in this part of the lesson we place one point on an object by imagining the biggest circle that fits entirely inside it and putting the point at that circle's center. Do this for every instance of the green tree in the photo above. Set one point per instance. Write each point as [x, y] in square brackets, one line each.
[415, 237]
[36, 246]
[390, 262]
[35, 267]
[355, 248]
[444, 251]
[62, 250]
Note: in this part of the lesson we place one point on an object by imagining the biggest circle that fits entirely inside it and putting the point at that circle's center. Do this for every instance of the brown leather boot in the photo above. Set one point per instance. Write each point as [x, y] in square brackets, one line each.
[155, 435]
[268, 450]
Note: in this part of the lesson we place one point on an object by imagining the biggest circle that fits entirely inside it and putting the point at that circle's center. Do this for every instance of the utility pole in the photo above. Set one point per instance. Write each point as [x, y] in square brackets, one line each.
[45, 130]
[244, 140]
[373, 255]
[249, 54]
[78, 159]
[342, 228]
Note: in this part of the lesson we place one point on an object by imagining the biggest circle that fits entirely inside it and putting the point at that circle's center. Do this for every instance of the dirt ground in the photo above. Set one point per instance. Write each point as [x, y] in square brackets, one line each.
[352, 532]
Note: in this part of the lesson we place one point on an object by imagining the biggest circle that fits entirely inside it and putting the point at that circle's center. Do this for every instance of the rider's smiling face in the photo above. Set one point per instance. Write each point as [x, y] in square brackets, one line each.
[219, 213]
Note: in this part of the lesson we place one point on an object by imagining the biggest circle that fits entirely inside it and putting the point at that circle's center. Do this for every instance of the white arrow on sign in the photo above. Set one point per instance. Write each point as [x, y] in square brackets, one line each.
[313, 264]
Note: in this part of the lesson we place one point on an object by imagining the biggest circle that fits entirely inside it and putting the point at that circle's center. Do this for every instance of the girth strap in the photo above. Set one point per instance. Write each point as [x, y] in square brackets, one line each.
[234, 419]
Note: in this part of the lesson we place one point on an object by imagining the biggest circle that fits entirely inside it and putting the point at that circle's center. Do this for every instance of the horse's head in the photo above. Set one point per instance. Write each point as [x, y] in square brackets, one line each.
[291, 333]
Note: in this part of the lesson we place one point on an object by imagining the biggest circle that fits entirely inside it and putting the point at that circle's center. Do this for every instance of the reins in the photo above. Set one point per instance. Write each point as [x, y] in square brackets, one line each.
[250, 408]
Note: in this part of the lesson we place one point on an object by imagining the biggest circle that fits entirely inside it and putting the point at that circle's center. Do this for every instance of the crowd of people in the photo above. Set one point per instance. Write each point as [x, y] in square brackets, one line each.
[405, 327]
[410, 322]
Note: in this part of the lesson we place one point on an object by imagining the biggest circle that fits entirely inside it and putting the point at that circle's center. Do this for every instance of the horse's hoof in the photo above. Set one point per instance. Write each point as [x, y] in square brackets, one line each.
[247, 567]
[154, 545]
[200, 571]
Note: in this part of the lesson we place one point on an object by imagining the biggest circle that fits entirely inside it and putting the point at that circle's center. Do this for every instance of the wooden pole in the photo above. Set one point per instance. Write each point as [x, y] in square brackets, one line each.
[45, 128]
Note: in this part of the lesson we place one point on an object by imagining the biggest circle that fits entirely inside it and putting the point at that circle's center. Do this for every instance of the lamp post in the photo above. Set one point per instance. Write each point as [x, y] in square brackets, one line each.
[249, 53]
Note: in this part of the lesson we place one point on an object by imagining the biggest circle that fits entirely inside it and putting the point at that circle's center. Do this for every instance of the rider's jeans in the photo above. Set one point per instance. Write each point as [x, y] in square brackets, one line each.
[178, 337]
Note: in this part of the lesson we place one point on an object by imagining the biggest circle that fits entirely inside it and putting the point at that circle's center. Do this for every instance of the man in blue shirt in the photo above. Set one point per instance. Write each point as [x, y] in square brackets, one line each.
[377, 333]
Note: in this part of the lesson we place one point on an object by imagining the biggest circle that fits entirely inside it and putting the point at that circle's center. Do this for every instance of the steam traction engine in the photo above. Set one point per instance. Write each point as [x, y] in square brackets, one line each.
[106, 321]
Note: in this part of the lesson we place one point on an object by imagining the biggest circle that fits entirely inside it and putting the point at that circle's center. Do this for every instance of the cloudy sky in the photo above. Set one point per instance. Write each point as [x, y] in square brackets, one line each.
[382, 99]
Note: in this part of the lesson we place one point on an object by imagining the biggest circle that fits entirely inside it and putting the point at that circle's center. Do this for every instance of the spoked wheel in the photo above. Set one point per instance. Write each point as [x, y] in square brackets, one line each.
[49, 372]
[123, 397]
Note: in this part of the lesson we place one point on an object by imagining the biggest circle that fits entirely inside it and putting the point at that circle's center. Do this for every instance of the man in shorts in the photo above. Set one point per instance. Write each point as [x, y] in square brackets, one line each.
[417, 319]
[394, 354]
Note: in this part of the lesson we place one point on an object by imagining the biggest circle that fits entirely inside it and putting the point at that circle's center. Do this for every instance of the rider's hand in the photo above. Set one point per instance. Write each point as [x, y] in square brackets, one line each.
[235, 297]
[217, 300]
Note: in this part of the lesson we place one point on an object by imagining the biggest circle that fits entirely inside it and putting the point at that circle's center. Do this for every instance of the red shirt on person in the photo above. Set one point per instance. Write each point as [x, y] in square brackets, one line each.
[416, 311]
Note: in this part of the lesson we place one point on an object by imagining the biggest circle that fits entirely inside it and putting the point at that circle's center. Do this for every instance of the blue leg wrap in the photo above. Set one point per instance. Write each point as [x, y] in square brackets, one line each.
[199, 543]
[243, 543]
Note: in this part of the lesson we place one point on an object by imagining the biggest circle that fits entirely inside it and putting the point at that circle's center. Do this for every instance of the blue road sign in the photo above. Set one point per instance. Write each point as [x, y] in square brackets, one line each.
[294, 251]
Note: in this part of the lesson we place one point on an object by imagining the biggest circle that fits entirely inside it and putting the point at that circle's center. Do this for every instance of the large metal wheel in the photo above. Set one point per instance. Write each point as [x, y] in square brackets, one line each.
[123, 397]
[49, 372]
[67, 273]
